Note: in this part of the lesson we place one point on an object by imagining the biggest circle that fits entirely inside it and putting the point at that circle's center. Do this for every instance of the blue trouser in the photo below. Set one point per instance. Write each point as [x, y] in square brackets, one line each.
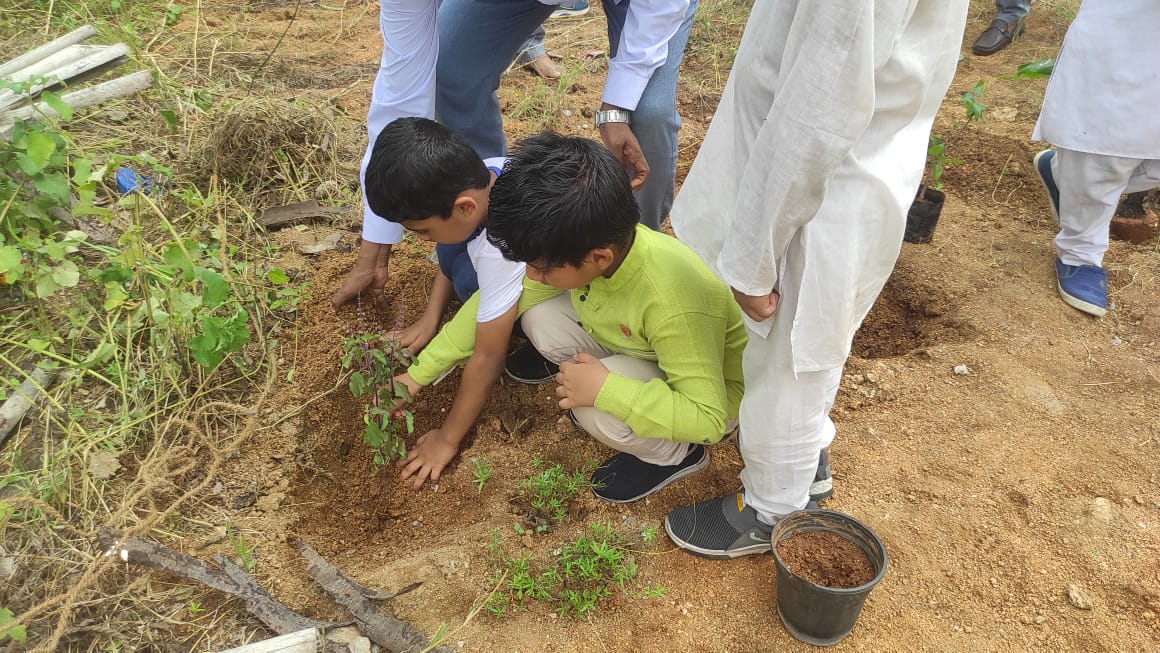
[479, 38]
[456, 266]
[1012, 10]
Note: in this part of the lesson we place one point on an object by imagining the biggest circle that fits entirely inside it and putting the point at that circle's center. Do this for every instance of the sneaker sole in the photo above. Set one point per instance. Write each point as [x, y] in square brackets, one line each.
[757, 548]
[1047, 186]
[1079, 304]
[823, 489]
[688, 471]
[517, 379]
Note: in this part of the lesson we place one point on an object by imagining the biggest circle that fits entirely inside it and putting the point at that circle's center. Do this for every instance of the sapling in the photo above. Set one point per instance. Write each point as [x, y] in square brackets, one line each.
[374, 360]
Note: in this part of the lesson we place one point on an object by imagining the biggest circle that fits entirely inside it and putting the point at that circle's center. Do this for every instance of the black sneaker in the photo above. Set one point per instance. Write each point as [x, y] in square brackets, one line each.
[823, 485]
[624, 477]
[526, 365]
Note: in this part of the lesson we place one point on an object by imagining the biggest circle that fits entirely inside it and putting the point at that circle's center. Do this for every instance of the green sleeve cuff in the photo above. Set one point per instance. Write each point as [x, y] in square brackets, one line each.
[617, 396]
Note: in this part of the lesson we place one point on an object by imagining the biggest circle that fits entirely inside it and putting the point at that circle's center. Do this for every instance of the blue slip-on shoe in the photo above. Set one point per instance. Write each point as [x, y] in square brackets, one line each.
[1043, 169]
[1083, 287]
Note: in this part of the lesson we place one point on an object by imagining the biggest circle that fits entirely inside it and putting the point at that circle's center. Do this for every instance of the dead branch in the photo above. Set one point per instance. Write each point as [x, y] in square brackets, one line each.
[266, 608]
[383, 629]
[20, 401]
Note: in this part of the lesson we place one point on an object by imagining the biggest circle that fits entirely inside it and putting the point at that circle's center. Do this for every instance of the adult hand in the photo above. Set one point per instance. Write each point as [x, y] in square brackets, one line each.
[369, 274]
[758, 307]
[619, 139]
[431, 453]
[580, 381]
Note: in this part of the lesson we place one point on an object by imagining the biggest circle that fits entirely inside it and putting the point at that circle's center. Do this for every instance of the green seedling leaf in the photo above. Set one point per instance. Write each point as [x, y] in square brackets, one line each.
[277, 276]
[170, 119]
[11, 264]
[41, 147]
[214, 287]
[1035, 69]
[66, 274]
[57, 104]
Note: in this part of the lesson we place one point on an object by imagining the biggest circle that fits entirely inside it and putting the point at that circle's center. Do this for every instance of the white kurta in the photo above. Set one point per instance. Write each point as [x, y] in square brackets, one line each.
[1104, 93]
[802, 185]
[821, 134]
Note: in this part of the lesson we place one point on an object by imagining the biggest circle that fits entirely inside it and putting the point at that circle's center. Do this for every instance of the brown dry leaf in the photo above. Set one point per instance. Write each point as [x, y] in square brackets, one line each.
[103, 464]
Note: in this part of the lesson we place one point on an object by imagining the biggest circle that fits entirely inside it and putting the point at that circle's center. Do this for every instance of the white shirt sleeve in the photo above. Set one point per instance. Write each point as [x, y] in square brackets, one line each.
[643, 47]
[404, 87]
[500, 280]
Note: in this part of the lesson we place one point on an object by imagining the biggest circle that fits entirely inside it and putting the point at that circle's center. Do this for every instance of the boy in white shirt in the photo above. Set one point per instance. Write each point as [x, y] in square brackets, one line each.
[430, 180]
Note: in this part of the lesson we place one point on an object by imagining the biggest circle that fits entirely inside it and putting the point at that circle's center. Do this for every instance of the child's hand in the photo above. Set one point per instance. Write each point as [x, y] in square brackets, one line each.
[758, 307]
[416, 336]
[428, 457]
[580, 381]
[413, 388]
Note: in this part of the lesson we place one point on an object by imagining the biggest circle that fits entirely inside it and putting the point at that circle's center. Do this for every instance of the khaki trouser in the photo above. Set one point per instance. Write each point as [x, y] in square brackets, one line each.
[555, 330]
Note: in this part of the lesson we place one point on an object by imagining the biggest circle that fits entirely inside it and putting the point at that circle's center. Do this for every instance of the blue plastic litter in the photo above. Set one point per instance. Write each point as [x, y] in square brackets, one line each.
[129, 181]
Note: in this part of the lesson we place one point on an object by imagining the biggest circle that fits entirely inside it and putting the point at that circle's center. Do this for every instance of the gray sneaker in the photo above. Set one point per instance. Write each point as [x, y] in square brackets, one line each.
[823, 485]
[719, 528]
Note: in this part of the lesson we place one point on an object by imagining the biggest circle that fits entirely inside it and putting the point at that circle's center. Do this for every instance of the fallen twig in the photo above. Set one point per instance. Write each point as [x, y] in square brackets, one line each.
[381, 628]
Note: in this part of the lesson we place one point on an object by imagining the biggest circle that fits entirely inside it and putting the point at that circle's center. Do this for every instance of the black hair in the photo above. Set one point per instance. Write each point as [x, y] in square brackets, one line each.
[417, 169]
[558, 198]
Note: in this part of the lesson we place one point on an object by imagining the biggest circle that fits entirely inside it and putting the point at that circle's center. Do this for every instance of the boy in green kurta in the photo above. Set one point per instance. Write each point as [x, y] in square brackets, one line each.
[648, 341]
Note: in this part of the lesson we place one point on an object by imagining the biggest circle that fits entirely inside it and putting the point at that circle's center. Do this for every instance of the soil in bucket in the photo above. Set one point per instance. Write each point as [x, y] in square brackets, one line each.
[827, 564]
[826, 559]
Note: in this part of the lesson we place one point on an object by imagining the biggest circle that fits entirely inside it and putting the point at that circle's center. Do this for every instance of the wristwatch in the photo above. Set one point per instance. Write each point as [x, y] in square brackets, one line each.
[612, 115]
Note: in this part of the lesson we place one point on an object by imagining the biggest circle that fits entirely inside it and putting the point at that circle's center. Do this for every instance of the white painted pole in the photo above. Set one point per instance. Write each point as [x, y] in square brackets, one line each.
[29, 58]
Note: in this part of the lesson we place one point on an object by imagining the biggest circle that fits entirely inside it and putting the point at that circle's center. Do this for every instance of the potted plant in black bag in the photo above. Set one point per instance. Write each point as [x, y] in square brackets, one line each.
[928, 202]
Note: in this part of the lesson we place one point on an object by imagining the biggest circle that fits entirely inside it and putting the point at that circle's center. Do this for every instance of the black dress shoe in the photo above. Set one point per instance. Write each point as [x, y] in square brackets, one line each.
[996, 37]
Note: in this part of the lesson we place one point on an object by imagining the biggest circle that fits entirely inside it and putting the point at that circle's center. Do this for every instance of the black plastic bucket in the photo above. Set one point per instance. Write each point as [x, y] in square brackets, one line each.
[816, 614]
[923, 216]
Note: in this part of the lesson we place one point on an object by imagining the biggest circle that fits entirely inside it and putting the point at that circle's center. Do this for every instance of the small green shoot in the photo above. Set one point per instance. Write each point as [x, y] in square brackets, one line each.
[648, 534]
[973, 103]
[654, 592]
[242, 549]
[10, 629]
[937, 158]
[551, 489]
[481, 471]
[195, 608]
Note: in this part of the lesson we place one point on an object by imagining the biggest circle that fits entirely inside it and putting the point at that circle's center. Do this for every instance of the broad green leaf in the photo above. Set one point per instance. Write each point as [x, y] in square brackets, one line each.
[66, 274]
[115, 295]
[103, 352]
[1034, 69]
[11, 264]
[82, 168]
[184, 303]
[55, 185]
[170, 119]
[277, 276]
[41, 147]
[57, 104]
[45, 283]
[214, 289]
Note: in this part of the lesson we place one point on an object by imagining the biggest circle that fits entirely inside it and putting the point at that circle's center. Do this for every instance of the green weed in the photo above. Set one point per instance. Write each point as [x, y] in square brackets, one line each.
[551, 490]
[973, 103]
[481, 471]
[580, 575]
[242, 549]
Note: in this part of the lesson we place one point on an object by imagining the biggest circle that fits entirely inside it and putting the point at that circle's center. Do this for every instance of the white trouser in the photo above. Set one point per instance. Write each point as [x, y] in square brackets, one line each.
[785, 419]
[1090, 186]
[554, 329]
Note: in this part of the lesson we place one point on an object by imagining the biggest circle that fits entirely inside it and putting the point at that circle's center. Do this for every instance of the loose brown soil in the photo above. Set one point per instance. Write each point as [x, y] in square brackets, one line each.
[993, 491]
[826, 559]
